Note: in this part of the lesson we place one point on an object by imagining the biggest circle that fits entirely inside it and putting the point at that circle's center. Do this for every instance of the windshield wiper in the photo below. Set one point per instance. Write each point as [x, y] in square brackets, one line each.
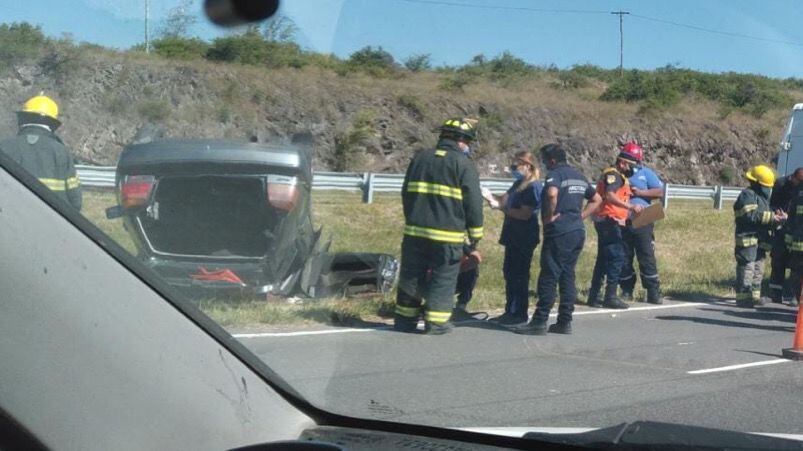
[664, 436]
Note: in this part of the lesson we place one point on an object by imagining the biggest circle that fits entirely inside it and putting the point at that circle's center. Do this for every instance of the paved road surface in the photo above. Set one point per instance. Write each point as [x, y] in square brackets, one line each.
[682, 363]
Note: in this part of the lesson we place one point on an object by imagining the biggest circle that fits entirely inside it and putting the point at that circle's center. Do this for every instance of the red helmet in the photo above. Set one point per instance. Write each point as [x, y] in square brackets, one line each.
[633, 151]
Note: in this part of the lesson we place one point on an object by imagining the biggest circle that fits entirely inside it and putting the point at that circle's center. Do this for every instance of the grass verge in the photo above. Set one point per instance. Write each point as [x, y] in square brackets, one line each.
[693, 244]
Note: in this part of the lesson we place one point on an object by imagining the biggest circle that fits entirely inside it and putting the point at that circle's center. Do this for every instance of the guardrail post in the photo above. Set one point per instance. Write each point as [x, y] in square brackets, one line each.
[665, 199]
[718, 197]
[368, 188]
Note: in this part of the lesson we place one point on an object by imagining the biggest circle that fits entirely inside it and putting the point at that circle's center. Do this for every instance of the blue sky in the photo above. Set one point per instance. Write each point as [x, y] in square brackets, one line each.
[453, 34]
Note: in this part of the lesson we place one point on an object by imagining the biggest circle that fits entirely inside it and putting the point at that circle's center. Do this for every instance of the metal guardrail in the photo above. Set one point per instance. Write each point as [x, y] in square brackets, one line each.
[370, 183]
[718, 194]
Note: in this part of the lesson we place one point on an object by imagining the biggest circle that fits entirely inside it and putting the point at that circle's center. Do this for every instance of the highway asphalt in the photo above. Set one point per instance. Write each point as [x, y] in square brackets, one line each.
[707, 364]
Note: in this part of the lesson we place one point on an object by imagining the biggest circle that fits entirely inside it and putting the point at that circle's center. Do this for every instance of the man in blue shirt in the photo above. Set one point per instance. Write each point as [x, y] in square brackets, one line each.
[640, 243]
[562, 214]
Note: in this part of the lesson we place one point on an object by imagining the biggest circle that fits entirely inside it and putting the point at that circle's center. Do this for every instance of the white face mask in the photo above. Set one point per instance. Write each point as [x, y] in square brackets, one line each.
[465, 148]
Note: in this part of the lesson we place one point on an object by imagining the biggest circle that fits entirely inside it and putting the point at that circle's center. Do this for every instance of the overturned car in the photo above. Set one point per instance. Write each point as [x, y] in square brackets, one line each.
[221, 217]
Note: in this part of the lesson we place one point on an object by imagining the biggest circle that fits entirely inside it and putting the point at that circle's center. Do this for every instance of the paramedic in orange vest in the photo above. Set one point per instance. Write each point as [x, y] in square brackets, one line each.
[609, 221]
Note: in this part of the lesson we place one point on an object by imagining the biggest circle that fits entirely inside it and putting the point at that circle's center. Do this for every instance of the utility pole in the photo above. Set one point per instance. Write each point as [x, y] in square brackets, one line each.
[147, 37]
[621, 15]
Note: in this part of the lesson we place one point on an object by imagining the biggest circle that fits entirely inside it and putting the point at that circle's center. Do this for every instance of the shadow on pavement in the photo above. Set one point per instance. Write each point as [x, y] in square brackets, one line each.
[761, 314]
[768, 354]
[696, 296]
[725, 323]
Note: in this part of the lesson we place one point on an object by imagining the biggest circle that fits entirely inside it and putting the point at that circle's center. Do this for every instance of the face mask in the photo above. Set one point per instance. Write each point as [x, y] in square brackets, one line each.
[629, 171]
[466, 150]
[766, 191]
[517, 174]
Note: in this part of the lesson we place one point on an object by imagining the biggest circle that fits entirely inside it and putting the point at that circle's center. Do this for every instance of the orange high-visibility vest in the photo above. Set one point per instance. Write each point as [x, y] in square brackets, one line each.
[624, 193]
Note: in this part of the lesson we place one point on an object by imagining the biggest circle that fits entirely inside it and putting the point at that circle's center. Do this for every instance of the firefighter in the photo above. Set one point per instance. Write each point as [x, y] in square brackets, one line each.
[640, 242]
[780, 287]
[562, 216]
[442, 205]
[754, 219]
[794, 240]
[610, 223]
[41, 152]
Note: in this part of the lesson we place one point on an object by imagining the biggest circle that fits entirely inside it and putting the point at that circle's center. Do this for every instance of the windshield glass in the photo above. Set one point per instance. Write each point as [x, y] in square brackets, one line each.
[464, 213]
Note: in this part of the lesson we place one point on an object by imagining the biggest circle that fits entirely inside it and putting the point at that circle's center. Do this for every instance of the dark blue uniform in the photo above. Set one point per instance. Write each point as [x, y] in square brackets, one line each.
[780, 286]
[520, 237]
[640, 243]
[563, 242]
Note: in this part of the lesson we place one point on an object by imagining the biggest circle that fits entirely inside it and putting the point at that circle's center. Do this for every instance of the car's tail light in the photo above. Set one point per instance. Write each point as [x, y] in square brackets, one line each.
[282, 192]
[135, 190]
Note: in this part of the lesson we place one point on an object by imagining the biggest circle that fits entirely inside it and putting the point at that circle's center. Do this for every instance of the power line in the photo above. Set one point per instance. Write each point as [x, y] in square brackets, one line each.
[720, 32]
[584, 11]
[508, 8]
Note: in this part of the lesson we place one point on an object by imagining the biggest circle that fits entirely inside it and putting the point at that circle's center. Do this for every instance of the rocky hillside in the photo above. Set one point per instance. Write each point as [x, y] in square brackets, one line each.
[366, 123]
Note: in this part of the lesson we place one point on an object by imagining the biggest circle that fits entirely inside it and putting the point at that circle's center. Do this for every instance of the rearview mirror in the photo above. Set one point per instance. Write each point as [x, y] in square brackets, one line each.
[229, 13]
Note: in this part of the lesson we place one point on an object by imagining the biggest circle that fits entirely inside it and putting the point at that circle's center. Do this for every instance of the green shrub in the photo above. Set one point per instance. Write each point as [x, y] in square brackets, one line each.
[176, 47]
[61, 59]
[569, 80]
[374, 61]
[507, 65]
[501, 67]
[247, 48]
[418, 63]
[594, 72]
[752, 94]
[350, 146]
[20, 41]
[252, 48]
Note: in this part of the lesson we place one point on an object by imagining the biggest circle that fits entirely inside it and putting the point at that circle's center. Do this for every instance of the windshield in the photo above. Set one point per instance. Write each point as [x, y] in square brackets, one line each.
[464, 213]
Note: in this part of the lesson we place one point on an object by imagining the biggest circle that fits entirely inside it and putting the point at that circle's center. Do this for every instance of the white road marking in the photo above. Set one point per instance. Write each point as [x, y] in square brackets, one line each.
[634, 309]
[738, 367]
[307, 332]
[372, 329]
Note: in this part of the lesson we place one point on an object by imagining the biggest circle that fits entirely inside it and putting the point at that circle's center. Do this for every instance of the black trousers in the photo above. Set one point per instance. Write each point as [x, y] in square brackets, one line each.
[427, 280]
[780, 284]
[466, 281]
[639, 243]
[516, 271]
[559, 256]
[610, 258]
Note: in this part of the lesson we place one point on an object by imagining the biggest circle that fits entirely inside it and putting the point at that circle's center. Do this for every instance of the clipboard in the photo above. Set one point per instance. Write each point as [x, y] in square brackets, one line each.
[649, 215]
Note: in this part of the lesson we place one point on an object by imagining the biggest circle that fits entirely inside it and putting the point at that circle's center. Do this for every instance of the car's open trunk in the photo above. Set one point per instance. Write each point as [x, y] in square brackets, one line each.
[209, 215]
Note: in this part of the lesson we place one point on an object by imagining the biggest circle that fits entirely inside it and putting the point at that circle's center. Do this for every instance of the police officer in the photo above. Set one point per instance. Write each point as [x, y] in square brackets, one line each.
[39, 151]
[442, 205]
[754, 219]
[783, 192]
[610, 222]
[794, 240]
[640, 242]
[562, 215]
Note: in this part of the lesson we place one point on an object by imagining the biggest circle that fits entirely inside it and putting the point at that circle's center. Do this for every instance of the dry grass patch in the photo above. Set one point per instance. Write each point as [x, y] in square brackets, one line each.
[694, 247]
